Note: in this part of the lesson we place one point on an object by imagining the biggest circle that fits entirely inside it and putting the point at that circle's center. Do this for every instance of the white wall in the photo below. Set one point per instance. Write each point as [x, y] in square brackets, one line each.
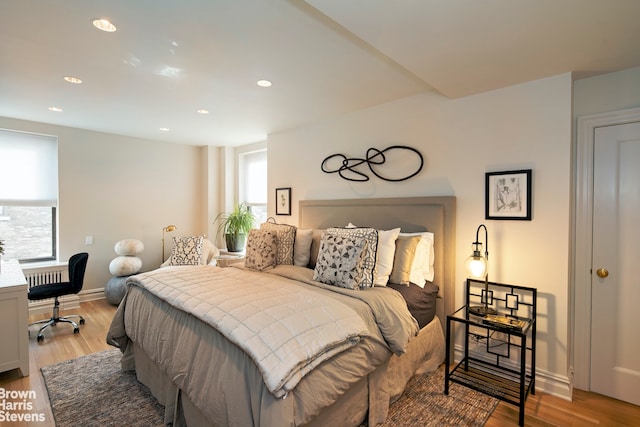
[114, 187]
[608, 92]
[527, 126]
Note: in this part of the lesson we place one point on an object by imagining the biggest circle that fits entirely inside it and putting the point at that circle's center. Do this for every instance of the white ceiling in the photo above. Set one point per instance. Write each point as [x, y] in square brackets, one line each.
[324, 57]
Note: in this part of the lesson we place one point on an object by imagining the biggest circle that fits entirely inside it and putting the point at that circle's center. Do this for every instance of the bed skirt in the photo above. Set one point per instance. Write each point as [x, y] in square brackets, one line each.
[368, 397]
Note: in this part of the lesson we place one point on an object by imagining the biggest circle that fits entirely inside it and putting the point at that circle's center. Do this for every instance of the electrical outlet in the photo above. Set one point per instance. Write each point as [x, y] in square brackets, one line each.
[88, 240]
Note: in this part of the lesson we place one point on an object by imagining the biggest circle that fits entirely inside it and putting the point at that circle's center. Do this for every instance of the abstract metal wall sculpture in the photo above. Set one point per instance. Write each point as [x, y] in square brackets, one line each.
[374, 160]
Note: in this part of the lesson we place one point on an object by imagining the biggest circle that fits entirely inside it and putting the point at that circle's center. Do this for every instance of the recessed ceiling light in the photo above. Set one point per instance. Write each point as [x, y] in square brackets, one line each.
[202, 111]
[168, 71]
[164, 129]
[104, 25]
[73, 80]
[263, 83]
[56, 109]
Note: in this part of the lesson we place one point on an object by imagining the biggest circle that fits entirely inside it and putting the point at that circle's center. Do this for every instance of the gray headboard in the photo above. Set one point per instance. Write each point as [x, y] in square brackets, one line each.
[434, 214]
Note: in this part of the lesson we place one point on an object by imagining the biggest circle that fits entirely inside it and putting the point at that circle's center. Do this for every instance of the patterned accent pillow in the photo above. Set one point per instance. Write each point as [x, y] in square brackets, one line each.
[369, 254]
[340, 261]
[186, 250]
[285, 238]
[261, 250]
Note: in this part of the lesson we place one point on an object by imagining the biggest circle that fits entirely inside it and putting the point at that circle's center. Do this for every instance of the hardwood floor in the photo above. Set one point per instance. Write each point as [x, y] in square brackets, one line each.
[59, 344]
[586, 409]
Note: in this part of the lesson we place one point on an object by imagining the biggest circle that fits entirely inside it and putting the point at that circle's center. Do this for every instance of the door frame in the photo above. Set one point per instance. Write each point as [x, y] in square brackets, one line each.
[580, 292]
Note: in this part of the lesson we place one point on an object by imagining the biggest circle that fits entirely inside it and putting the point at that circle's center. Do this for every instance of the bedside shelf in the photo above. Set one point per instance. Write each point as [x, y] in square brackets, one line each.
[501, 369]
[487, 378]
[226, 259]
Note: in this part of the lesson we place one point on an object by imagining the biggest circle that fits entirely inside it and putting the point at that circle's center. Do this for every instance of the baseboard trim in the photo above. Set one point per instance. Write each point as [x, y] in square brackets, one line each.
[67, 302]
[91, 295]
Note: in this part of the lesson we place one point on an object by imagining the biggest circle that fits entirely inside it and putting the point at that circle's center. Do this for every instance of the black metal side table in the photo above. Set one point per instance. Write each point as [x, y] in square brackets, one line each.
[505, 368]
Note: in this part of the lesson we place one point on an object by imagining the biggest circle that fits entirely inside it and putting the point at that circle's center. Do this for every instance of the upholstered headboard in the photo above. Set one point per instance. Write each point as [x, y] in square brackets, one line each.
[434, 214]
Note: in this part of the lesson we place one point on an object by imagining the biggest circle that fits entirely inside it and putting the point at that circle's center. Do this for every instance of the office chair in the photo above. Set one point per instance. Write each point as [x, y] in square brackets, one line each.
[77, 267]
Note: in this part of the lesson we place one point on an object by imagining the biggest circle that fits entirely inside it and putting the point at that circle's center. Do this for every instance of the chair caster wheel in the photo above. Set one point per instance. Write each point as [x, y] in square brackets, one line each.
[76, 330]
[81, 321]
[40, 338]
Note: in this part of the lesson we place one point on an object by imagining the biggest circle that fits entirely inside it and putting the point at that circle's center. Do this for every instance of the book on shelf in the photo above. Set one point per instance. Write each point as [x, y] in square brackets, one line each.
[502, 321]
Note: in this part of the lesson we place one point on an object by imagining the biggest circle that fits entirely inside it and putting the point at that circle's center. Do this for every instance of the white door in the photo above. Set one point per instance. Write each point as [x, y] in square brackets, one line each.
[615, 278]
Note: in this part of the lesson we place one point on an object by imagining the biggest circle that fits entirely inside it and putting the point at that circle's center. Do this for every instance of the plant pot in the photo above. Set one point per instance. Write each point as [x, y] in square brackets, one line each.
[235, 242]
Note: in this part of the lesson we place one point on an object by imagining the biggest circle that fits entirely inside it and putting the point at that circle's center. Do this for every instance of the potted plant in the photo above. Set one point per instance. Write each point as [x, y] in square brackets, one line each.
[235, 226]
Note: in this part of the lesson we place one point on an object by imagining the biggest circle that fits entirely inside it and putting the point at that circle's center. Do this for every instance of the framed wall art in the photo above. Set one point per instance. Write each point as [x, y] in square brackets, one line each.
[508, 195]
[283, 201]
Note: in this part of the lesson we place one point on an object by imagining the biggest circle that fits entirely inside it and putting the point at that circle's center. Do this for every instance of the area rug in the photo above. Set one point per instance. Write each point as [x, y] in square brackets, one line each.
[93, 391]
[423, 403]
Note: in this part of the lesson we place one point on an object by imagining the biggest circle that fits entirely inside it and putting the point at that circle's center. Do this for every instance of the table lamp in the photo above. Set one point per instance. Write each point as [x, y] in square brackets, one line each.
[476, 266]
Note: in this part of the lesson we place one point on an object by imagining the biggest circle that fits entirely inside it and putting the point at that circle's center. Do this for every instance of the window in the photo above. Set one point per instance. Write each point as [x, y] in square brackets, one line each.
[253, 182]
[28, 195]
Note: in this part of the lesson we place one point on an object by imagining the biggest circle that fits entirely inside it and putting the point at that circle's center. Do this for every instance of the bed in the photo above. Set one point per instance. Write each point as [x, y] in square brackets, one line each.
[206, 375]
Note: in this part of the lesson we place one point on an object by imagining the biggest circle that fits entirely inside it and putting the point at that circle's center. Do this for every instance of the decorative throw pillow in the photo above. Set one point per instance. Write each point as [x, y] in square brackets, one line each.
[403, 259]
[285, 237]
[369, 254]
[302, 247]
[186, 250]
[209, 251]
[384, 254]
[261, 250]
[340, 261]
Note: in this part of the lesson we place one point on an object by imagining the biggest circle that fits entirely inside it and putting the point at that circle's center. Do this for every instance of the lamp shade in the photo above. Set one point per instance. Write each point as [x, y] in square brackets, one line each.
[476, 265]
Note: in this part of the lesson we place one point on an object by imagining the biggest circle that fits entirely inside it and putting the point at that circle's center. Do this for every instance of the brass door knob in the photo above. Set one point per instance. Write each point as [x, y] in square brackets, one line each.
[602, 272]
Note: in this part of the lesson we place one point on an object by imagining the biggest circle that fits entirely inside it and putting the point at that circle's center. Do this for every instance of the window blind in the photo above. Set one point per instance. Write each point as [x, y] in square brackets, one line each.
[28, 169]
[254, 167]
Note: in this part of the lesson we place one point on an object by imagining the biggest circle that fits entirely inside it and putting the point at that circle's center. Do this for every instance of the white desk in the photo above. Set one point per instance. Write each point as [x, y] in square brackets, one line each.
[14, 313]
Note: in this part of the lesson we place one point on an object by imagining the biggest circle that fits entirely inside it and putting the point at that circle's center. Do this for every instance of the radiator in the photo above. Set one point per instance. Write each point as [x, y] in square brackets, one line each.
[47, 274]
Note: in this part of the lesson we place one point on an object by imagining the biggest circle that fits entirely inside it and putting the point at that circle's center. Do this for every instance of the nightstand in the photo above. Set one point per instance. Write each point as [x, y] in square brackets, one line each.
[506, 367]
[226, 259]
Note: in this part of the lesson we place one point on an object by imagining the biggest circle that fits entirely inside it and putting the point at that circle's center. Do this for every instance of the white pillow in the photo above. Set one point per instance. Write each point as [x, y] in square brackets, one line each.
[422, 267]
[384, 256]
[209, 252]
